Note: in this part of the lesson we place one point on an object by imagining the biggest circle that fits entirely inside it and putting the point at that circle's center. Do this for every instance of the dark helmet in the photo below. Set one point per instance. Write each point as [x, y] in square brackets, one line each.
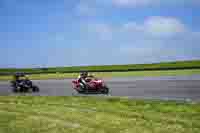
[84, 74]
[17, 75]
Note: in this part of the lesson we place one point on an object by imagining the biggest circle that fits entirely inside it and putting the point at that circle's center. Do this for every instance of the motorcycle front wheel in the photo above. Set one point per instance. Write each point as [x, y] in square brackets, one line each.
[35, 89]
[105, 90]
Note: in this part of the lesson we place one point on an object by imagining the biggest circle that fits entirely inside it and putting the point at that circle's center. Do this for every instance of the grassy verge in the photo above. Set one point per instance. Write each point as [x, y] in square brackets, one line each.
[155, 66]
[113, 74]
[96, 115]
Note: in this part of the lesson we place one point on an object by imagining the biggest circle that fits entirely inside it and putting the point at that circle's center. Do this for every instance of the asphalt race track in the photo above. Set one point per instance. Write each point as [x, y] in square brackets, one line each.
[177, 88]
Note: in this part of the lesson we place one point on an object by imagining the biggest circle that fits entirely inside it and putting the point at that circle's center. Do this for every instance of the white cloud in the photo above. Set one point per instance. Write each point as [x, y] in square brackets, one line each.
[148, 51]
[138, 3]
[133, 26]
[86, 8]
[157, 26]
[133, 3]
[157, 38]
[164, 26]
[96, 7]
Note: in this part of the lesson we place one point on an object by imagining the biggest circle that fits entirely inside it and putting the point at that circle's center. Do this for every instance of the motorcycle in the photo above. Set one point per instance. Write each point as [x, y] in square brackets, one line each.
[94, 86]
[24, 86]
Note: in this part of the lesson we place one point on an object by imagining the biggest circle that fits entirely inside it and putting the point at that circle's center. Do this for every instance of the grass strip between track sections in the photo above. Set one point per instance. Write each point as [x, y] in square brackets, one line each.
[26, 114]
[109, 68]
[112, 74]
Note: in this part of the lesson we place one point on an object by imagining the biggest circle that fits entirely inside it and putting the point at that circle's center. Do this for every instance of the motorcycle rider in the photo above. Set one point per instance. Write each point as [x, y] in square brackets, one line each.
[17, 79]
[82, 79]
[27, 81]
[90, 77]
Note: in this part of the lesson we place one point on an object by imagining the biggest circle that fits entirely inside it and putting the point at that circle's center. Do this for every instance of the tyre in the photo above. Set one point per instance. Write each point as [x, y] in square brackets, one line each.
[82, 90]
[35, 89]
[106, 90]
[21, 89]
[15, 90]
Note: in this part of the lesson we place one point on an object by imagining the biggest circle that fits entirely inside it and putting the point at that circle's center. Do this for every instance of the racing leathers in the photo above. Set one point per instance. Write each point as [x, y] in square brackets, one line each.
[82, 81]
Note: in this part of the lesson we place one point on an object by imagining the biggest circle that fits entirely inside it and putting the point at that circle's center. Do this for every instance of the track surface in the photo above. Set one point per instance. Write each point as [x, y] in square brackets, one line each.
[175, 88]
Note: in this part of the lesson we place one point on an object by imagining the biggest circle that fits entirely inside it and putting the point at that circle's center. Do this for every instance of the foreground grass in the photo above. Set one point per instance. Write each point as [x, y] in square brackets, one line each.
[114, 74]
[96, 115]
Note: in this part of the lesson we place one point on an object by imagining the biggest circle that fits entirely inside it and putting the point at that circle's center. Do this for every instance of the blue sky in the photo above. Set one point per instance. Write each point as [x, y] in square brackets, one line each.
[48, 33]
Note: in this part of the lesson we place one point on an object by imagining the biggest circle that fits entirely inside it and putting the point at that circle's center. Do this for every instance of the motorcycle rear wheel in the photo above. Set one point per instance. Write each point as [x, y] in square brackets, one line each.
[15, 89]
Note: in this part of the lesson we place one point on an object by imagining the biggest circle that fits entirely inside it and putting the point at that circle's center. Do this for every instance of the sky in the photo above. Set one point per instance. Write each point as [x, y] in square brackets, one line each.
[49, 33]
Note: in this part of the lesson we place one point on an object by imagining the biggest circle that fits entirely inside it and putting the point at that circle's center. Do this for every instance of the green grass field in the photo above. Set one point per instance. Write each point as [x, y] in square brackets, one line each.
[113, 74]
[156, 66]
[26, 114]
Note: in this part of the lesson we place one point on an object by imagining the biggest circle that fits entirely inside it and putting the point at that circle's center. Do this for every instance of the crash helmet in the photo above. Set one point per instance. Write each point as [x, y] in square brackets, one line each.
[82, 73]
[86, 73]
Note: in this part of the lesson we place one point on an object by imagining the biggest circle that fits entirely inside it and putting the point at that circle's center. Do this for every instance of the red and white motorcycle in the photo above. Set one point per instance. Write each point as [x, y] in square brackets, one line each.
[94, 85]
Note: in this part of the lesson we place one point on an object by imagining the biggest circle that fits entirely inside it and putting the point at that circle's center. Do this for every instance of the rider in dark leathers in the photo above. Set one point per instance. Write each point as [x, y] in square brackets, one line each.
[27, 81]
[17, 80]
